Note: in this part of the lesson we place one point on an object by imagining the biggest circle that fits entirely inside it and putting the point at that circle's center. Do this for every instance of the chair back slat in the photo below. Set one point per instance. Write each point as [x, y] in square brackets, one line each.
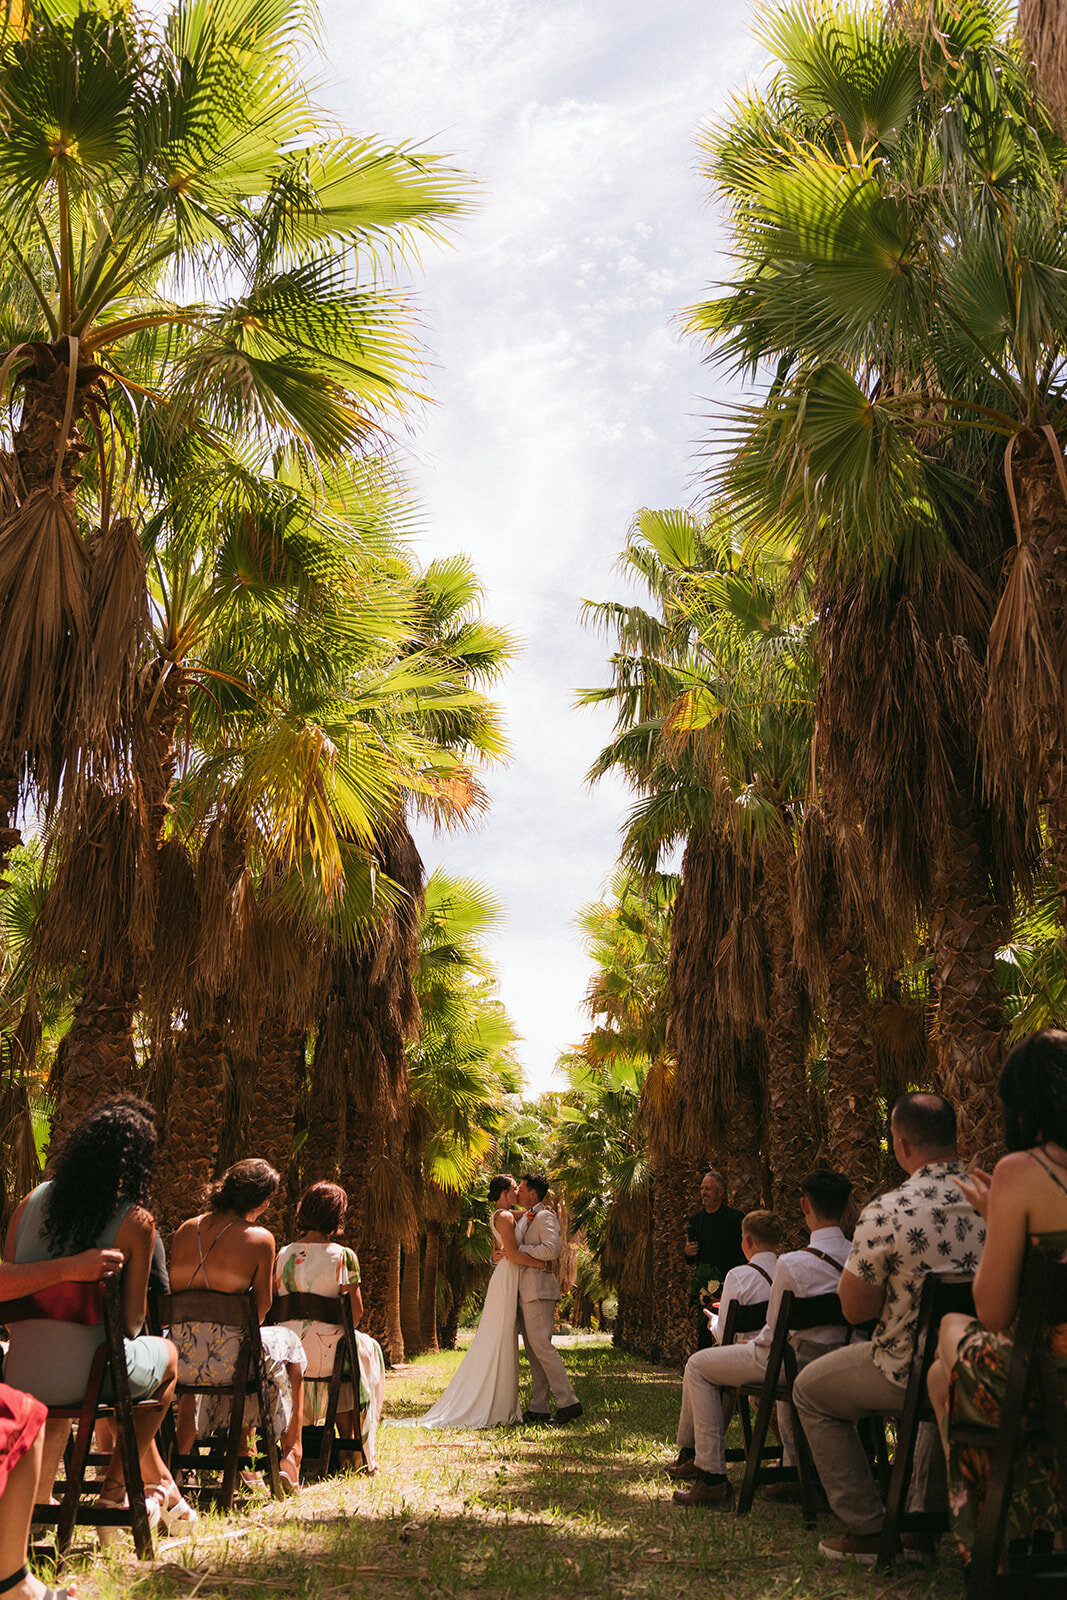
[71, 1301]
[308, 1308]
[816, 1311]
[208, 1305]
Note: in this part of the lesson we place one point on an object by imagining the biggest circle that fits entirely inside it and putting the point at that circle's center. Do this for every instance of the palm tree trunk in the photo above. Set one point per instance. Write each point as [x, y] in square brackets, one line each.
[742, 1161]
[966, 930]
[275, 1084]
[380, 1266]
[675, 1184]
[10, 836]
[410, 1303]
[187, 1161]
[790, 1136]
[854, 1116]
[428, 1295]
[96, 1056]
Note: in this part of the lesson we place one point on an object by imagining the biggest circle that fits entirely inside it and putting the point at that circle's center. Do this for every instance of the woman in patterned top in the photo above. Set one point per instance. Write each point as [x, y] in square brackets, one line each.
[318, 1263]
[1025, 1204]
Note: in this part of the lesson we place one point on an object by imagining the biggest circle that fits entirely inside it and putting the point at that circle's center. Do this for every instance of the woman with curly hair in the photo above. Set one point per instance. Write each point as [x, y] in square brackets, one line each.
[97, 1199]
[318, 1263]
[224, 1248]
[1025, 1207]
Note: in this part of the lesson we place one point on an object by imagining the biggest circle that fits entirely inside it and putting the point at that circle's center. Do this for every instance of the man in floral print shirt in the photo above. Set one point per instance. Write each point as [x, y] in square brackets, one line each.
[924, 1226]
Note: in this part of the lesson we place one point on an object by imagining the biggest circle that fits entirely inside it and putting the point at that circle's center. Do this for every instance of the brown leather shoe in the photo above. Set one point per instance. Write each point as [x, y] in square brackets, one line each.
[704, 1494]
[789, 1492]
[684, 1467]
[568, 1413]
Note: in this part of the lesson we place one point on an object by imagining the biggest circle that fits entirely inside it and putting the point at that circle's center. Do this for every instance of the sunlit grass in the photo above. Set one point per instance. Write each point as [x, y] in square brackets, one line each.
[537, 1513]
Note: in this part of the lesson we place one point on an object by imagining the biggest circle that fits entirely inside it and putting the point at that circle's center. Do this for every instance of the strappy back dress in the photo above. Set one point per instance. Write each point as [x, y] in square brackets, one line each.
[979, 1380]
[207, 1353]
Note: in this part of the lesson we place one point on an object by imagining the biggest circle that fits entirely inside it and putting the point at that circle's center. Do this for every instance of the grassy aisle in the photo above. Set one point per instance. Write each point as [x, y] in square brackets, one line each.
[531, 1513]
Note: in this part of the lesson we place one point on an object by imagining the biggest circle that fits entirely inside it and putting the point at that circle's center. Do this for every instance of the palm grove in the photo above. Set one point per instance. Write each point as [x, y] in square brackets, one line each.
[226, 685]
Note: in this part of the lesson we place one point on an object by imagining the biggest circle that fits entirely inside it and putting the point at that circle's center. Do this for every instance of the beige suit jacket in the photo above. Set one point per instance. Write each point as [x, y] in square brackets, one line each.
[539, 1237]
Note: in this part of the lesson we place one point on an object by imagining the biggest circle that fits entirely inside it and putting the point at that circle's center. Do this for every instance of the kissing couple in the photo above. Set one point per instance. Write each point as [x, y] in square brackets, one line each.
[521, 1298]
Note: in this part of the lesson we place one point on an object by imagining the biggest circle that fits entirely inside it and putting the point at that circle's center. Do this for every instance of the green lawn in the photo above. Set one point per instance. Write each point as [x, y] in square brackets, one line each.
[537, 1513]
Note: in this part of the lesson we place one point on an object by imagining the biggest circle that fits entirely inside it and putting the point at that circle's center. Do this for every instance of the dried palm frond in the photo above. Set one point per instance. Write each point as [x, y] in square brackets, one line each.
[44, 619]
[1024, 711]
[99, 907]
[118, 616]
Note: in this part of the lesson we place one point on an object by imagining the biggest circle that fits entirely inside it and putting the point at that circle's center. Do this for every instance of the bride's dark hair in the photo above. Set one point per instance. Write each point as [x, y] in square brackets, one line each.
[500, 1185]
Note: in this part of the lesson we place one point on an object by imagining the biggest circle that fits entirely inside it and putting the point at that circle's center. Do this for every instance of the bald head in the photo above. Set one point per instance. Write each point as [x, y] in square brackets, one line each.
[924, 1130]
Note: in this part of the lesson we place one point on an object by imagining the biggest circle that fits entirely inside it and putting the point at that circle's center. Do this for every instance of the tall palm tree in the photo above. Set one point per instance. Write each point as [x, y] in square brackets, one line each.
[872, 150]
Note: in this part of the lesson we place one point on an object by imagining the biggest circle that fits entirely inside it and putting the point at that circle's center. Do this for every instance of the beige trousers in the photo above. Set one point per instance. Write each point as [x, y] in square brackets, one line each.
[547, 1373]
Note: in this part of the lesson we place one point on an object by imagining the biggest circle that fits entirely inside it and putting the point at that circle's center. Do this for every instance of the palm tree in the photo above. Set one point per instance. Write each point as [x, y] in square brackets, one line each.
[871, 151]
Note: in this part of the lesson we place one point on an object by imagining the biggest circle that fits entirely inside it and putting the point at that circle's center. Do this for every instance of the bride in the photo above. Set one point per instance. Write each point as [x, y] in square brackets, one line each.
[484, 1393]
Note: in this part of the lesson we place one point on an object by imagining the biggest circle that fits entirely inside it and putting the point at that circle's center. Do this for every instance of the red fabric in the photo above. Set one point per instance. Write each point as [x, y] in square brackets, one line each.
[71, 1302]
[21, 1420]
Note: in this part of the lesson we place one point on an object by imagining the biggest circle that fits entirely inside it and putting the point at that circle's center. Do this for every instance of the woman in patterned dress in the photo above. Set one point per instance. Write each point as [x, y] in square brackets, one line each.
[318, 1263]
[1025, 1205]
[225, 1249]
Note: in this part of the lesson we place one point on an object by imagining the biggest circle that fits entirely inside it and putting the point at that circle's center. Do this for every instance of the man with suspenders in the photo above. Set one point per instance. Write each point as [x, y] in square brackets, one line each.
[816, 1269]
[750, 1285]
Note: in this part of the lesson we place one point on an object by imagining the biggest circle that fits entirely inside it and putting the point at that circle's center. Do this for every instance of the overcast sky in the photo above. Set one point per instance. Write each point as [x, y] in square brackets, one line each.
[566, 396]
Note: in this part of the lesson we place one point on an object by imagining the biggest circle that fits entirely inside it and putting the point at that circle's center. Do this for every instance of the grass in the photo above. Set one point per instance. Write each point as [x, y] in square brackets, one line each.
[539, 1513]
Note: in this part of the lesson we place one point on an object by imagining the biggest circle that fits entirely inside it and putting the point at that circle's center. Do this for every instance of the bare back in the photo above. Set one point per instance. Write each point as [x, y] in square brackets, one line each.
[220, 1251]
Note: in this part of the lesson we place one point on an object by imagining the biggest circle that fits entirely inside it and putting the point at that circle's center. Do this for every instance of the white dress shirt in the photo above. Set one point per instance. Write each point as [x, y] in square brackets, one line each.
[748, 1286]
[807, 1274]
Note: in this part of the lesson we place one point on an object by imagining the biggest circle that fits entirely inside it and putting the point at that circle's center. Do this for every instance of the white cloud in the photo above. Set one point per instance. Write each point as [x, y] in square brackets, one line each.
[567, 398]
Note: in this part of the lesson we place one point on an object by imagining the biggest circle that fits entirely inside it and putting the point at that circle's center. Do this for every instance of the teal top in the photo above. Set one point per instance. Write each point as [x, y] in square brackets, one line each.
[52, 1359]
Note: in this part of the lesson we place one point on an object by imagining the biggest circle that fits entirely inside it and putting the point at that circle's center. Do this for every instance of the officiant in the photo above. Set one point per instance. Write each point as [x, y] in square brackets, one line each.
[712, 1244]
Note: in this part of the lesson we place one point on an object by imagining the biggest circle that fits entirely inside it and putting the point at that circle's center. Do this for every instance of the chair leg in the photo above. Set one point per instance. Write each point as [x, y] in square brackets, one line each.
[236, 1428]
[806, 1474]
[755, 1449]
[72, 1490]
[266, 1431]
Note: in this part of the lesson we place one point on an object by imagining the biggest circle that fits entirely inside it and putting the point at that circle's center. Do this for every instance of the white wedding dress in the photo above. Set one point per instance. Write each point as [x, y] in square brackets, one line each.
[484, 1392]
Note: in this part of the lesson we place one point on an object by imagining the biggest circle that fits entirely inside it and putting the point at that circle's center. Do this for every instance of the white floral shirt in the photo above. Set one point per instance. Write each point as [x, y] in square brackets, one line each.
[924, 1226]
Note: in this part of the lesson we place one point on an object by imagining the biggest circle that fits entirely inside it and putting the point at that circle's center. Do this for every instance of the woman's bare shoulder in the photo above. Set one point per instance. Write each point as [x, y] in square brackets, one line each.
[504, 1217]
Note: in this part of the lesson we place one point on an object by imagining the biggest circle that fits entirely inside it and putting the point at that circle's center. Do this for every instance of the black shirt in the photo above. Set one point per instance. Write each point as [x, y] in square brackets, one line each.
[718, 1239]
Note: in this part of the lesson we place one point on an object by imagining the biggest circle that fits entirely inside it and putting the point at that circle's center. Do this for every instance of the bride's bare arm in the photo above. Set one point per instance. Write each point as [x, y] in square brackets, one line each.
[505, 1226]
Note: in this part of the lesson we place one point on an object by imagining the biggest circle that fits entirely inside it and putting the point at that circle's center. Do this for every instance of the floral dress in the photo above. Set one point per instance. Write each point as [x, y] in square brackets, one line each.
[978, 1384]
[326, 1269]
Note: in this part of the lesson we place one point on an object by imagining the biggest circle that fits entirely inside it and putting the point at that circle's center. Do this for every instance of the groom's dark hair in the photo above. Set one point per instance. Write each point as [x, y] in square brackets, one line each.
[537, 1182]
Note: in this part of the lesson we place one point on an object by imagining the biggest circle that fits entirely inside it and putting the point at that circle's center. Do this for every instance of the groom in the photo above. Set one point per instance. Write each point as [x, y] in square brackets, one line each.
[537, 1234]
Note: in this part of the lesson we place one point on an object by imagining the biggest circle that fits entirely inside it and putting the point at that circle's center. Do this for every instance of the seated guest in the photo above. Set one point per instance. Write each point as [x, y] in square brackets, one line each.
[96, 1201]
[924, 1226]
[224, 1249]
[1025, 1205]
[318, 1263]
[750, 1285]
[813, 1270]
[22, 1423]
[712, 1243]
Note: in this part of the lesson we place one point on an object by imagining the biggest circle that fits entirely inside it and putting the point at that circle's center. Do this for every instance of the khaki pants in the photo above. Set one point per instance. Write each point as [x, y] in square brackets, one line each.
[547, 1372]
[831, 1396]
[706, 1410]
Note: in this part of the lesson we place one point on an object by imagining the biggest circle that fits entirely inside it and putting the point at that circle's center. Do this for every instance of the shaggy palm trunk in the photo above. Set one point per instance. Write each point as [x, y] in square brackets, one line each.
[188, 1158]
[966, 930]
[1044, 41]
[742, 1161]
[10, 836]
[96, 1056]
[275, 1084]
[381, 1274]
[675, 1184]
[853, 1113]
[790, 1136]
[410, 1303]
[428, 1294]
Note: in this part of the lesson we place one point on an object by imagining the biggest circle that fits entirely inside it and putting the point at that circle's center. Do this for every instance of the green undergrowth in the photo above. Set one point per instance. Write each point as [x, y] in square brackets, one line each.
[534, 1513]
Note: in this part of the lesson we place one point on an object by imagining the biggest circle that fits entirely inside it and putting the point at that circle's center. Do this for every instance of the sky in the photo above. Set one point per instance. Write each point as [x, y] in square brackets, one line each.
[566, 395]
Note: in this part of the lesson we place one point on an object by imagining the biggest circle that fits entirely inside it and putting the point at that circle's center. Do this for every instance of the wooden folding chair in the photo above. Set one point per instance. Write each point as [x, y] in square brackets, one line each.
[1024, 1425]
[745, 1319]
[249, 1379]
[796, 1314]
[337, 1312]
[90, 1305]
[940, 1297]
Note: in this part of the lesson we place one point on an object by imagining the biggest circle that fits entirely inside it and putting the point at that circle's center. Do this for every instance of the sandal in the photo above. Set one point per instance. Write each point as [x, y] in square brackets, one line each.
[108, 1533]
[174, 1514]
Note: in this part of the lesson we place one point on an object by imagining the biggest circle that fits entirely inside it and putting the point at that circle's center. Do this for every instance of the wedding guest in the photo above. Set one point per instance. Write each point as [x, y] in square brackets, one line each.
[97, 1201]
[318, 1263]
[224, 1248]
[761, 1236]
[712, 1243]
[926, 1225]
[22, 1424]
[814, 1270]
[1025, 1205]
